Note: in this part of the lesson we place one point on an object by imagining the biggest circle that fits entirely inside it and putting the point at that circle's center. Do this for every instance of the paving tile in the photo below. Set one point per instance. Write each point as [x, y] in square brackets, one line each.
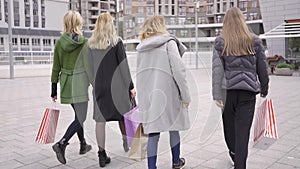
[289, 160]
[33, 166]
[10, 164]
[31, 158]
[81, 163]
[9, 156]
[270, 153]
[281, 166]
[218, 164]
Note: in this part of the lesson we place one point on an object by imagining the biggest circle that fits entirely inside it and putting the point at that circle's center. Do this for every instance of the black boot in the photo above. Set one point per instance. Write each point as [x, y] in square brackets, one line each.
[84, 148]
[59, 148]
[125, 144]
[103, 158]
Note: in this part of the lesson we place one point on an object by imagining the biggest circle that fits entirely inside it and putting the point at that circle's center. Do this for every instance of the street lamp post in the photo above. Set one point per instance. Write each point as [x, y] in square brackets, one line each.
[11, 57]
[196, 32]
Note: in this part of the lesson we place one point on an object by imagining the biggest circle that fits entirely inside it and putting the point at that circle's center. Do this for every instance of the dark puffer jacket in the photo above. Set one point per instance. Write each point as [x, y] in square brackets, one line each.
[247, 72]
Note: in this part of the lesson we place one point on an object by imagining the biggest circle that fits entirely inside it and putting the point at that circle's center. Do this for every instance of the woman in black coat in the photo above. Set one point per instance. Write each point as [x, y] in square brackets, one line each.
[109, 74]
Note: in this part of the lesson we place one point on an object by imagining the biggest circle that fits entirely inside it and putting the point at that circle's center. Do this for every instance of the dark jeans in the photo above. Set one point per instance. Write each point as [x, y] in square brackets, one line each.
[153, 139]
[76, 126]
[237, 120]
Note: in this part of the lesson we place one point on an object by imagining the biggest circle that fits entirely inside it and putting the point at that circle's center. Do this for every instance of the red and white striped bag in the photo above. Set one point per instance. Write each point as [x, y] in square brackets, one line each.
[265, 128]
[47, 130]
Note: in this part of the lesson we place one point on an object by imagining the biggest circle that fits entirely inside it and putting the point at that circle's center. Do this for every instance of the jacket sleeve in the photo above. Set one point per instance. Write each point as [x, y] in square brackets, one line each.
[178, 71]
[217, 75]
[262, 68]
[85, 56]
[56, 67]
[123, 64]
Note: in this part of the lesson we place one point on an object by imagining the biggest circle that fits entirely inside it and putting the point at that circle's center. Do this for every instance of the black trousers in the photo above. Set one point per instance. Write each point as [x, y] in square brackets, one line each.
[237, 120]
[76, 126]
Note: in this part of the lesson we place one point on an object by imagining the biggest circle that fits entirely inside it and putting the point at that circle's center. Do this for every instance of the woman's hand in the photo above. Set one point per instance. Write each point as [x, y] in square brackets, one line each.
[219, 103]
[185, 105]
[133, 93]
[54, 98]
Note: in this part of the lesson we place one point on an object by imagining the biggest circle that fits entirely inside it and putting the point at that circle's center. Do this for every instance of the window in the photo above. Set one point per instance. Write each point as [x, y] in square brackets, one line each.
[181, 21]
[182, 11]
[218, 31]
[219, 19]
[183, 33]
[128, 2]
[254, 4]
[46, 42]
[140, 21]
[210, 9]
[15, 41]
[243, 6]
[24, 41]
[128, 11]
[141, 10]
[150, 10]
[172, 21]
[36, 42]
[191, 10]
[1, 41]
[16, 13]
[172, 31]
[224, 7]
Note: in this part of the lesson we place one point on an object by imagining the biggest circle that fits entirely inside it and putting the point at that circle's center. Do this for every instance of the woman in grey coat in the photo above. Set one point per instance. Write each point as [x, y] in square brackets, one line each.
[162, 88]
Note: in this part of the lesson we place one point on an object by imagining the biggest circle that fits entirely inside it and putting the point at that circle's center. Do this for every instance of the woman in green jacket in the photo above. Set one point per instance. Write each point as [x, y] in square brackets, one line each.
[67, 49]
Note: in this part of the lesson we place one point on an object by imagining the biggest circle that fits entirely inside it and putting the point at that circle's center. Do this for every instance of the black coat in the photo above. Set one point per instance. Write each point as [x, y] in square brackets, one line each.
[110, 77]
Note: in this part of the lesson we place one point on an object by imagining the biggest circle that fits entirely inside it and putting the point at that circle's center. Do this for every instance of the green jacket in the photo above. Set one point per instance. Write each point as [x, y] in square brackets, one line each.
[69, 71]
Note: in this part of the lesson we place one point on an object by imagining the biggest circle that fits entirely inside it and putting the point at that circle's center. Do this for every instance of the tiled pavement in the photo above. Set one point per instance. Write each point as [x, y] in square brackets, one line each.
[24, 99]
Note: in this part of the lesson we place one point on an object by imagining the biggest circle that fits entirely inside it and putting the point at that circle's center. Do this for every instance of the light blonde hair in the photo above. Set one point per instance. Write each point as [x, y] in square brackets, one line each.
[153, 26]
[72, 23]
[237, 36]
[104, 33]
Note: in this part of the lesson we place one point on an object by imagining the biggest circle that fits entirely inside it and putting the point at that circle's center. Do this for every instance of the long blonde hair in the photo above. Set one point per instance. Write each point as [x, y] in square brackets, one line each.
[238, 38]
[154, 25]
[72, 23]
[104, 33]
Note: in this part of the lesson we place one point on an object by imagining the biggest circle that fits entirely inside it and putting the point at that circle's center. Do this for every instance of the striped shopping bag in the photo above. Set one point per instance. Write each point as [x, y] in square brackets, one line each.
[265, 128]
[47, 129]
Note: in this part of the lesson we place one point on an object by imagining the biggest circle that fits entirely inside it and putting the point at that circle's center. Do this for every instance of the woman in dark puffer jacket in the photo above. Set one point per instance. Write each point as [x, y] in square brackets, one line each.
[239, 73]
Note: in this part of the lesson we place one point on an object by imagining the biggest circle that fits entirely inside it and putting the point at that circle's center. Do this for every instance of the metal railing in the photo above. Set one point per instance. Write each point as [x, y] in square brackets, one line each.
[27, 57]
[46, 57]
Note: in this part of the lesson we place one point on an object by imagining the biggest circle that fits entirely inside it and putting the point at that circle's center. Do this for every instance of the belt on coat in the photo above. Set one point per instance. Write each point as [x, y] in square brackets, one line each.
[72, 72]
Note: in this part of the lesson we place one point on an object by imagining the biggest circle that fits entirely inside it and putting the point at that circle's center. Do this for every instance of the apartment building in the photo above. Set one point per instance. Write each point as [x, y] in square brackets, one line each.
[90, 9]
[180, 18]
[282, 25]
[36, 24]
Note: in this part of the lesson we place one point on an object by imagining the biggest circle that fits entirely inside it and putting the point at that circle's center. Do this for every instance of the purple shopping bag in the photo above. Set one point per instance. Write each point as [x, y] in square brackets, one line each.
[132, 121]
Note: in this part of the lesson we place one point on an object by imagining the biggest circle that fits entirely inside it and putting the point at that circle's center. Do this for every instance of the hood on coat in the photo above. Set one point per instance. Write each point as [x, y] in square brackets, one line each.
[68, 44]
[157, 41]
[219, 44]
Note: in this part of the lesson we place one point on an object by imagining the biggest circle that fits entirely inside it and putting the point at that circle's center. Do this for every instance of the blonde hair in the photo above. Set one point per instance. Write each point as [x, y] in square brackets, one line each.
[104, 33]
[154, 25]
[72, 23]
[237, 37]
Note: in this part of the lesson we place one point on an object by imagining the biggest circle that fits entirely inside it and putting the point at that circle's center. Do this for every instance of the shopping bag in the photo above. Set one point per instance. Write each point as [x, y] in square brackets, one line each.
[47, 129]
[132, 121]
[138, 148]
[265, 128]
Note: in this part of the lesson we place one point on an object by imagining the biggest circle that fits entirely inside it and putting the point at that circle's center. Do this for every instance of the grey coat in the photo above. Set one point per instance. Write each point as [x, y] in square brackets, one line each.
[241, 72]
[161, 84]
